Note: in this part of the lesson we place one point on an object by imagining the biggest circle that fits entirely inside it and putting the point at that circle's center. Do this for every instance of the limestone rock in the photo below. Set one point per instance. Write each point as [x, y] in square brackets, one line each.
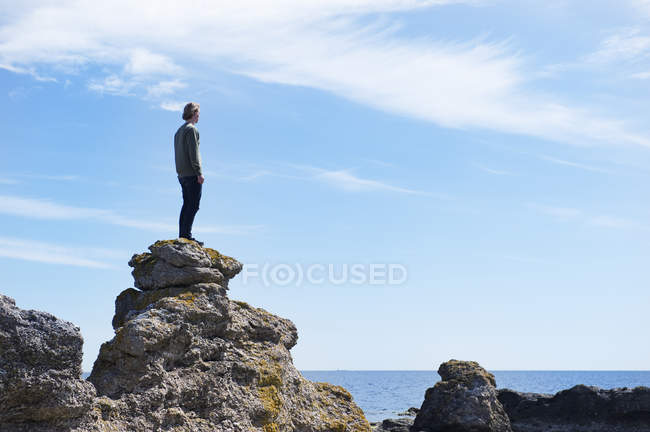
[185, 358]
[181, 262]
[394, 425]
[40, 368]
[464, 400]
[219, 365]
[581, 407]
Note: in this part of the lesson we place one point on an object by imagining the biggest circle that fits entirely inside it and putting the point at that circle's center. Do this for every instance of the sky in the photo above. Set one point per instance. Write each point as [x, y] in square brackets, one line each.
[494, 153]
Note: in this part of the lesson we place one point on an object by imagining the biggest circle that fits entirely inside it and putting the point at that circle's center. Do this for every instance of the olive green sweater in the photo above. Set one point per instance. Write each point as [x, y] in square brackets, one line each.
[186, 150]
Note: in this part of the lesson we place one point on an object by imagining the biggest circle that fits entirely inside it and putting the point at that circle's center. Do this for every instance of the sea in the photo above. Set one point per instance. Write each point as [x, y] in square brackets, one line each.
[384, 394]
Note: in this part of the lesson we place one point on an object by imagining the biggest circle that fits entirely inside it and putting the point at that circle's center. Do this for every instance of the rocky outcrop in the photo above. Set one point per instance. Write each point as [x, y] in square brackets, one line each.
[584, 408]
[393, 425]
[187, 358]
[40, 369]
[465, 400]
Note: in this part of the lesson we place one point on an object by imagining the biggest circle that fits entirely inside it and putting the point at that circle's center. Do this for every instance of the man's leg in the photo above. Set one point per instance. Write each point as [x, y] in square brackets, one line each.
[194, 191]
[183, 227]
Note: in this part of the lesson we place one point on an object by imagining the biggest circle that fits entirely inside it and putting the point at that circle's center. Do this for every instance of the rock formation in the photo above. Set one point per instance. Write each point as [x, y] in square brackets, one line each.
[187, 358]
[40, 368]
[583, 408]
[464, 400]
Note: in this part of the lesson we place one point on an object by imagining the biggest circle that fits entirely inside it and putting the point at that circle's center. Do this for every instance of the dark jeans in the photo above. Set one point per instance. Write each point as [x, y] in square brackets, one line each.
[191, 196]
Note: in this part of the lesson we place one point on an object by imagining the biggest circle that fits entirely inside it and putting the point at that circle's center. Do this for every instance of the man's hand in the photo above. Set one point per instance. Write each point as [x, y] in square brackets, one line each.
[200, 179]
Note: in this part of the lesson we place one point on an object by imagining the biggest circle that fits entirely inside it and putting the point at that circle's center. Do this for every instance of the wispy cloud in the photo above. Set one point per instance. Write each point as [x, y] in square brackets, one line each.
[165, 88]
[491, 170]
[618, 223]
[29, 250]
[113, 85]
[27, 71]
[49, 210]
[346, 180]
[605, 221]
[629, 44]
[172, 106]
[557, 212]
[330, 46]
[574, 164]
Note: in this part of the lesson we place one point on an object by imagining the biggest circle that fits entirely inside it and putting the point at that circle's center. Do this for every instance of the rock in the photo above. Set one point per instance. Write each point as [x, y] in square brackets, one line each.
[464, 400]
[184, 358]
[151, 273]
[581, 407]
[412, 411]
[394, 425]
[131, 302]
[40, 368]
[181, 262]
[181, 253]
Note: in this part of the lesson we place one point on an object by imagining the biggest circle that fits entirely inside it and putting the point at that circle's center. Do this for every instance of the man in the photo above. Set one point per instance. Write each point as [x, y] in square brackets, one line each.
[188, 168]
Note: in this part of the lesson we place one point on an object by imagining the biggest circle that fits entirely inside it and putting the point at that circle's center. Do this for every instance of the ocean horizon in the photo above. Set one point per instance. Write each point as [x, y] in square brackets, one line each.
[384, 394]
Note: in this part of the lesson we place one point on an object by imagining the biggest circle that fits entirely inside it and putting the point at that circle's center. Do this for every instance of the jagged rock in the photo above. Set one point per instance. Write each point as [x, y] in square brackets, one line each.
[584, 408]
[181, 262]
[131, 302]
[40, 368]
[221, 365]
[185, 358]
[412, 411]
[464, 400]
[394, 425]
[151, 273]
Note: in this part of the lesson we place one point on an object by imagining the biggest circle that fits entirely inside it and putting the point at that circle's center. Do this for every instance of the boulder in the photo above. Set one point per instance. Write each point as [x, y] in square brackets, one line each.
[586, 408]
[465, 400]
[40, 368]
[181, 262]
[394, 425]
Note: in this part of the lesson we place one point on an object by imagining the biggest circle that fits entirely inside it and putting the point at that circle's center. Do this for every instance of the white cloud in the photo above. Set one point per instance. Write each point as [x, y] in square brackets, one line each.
[55, 254]
[172, 106]
[324, 45]
[605, 221]
[345, 180]
[574, 164]
[557, 212]
[618, 223]
[491, 170]
[626, 45]
[144, 62]
[112, 84]
[48, 210]
[165, 88]
[30, 71]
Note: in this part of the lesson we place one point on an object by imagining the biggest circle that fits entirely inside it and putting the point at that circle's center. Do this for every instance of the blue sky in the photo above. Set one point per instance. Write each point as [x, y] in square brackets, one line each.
[499, 151]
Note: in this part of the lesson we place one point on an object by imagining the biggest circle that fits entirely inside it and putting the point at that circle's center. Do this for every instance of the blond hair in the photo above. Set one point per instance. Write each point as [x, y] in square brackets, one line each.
[189, 110]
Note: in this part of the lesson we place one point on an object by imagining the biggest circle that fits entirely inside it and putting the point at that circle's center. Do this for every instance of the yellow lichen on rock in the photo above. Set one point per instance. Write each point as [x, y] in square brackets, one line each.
[330, 403]
[187, 298]
[271, 427]
[271, 401]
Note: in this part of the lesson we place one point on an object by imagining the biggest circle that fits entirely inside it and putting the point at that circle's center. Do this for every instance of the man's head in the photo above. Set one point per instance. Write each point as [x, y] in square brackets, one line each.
[191, 112]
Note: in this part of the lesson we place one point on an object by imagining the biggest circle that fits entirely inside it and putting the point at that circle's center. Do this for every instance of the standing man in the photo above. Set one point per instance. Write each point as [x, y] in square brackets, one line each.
[188, 167]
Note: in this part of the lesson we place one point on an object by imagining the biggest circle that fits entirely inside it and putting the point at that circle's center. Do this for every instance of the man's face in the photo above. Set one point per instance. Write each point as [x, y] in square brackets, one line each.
[195, 119]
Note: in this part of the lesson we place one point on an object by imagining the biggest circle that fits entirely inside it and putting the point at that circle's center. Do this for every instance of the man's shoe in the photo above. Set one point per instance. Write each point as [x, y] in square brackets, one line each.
[199, 242]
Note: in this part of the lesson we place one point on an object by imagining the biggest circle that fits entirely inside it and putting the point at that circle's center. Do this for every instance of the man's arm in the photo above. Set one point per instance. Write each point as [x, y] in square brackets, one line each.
[193, 151]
